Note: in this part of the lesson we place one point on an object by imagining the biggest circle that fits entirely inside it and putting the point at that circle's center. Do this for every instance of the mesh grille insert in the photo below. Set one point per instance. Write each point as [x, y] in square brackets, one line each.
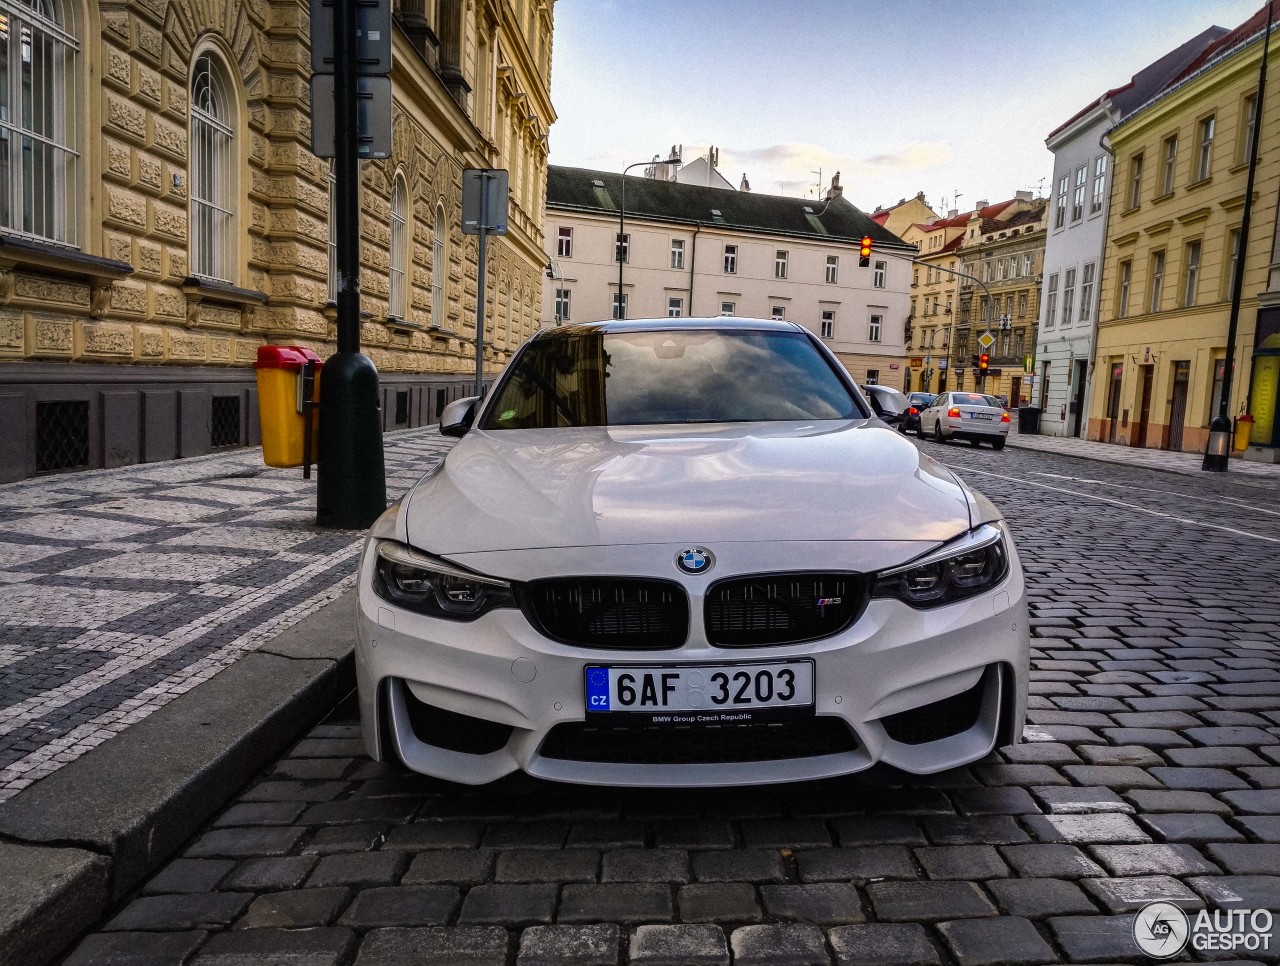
[782, 608]
[609, 612]
[643, 745]
[942, 719]
[224, 429]
[62, 435]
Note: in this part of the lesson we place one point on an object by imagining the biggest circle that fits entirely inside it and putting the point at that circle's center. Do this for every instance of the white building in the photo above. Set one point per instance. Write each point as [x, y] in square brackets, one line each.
[1082, 169]
[691, 250]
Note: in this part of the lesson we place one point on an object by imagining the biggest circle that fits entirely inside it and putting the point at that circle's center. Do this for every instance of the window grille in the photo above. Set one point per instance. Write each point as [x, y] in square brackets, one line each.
[62, 435]
[39, 118]
[399, 301]
[224, 427]
[437, 271]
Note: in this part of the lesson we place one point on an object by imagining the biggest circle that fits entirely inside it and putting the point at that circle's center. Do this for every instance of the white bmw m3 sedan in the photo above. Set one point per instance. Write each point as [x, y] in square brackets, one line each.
[683, 552]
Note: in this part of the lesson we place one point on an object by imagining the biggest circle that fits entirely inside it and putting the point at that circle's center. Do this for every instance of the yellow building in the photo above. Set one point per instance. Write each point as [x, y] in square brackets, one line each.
[933, 299]
[907, 212]
[166, 217]
[1181, 162]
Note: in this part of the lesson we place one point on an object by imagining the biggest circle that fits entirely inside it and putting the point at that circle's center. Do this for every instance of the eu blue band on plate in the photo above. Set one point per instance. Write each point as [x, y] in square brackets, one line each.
[597, 689]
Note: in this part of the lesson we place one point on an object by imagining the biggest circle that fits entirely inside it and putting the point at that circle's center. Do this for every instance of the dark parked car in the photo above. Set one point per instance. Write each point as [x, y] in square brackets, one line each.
[917, 402]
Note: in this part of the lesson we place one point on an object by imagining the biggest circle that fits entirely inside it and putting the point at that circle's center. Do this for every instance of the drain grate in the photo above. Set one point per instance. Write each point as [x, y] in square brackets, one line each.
[62, 435]
[225, 427]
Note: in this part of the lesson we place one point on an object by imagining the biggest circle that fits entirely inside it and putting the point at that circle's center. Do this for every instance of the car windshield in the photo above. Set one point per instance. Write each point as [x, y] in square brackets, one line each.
[971, 399]
[601, 378]
[921, 398]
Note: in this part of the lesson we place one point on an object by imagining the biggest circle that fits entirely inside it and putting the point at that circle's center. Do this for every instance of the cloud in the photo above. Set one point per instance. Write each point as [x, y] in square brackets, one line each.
[798, 161]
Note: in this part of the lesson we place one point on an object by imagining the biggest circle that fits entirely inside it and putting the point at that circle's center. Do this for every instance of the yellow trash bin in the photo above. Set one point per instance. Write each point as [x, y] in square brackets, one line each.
[279, 372]
[1244, 427]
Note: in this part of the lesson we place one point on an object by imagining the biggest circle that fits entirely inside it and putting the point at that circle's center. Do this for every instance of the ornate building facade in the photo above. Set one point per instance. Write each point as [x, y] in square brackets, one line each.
[163, 216]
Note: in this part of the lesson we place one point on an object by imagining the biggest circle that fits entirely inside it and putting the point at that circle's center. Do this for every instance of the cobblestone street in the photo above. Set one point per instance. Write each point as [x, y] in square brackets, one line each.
[1150, 771]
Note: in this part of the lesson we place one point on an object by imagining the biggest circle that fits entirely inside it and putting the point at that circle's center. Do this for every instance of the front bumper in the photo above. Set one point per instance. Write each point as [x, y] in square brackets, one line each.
[471, 702]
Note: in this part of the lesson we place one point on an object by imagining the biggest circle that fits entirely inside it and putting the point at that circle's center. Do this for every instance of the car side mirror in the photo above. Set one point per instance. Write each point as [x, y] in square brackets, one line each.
[458, 416]
[875, 404]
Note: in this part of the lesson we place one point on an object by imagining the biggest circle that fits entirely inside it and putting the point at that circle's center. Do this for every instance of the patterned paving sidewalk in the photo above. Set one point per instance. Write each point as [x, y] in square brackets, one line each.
[126, 588]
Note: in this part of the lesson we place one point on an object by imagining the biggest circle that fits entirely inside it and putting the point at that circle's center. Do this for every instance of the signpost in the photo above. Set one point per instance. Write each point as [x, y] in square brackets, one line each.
[484, 212]
[351, 57]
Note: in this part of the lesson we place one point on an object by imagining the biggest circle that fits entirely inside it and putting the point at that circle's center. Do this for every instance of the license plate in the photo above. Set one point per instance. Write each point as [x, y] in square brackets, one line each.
[986, 416]
[701, 694]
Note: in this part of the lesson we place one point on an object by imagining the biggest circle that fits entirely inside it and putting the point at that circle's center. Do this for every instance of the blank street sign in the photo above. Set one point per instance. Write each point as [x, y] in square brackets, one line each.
[472, 180]
[373, 37]
[373, 117]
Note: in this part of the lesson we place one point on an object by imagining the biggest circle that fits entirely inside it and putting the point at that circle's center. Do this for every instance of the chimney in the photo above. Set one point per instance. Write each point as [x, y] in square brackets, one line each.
[744, 184]
[835, 191]
[953, 212]
[981, 204]
[1022, 195]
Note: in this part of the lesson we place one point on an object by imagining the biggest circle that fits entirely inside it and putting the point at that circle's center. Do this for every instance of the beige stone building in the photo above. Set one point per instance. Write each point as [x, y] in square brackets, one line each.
[1181, 163]
[165, 217]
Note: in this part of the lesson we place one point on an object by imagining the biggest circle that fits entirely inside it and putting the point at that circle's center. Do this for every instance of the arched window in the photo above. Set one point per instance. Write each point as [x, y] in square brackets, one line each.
[39, 121]
[438, 272]
[399, 307]
[213, 171]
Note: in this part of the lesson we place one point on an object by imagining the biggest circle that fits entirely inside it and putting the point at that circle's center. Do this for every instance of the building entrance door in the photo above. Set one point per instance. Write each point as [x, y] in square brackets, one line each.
[1015, 391]
[1144, 406]
[1113, 401]
[1077, 401]
[1178, 404]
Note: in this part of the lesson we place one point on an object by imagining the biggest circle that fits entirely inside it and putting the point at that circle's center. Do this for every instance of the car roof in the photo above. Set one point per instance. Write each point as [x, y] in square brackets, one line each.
[722, 323]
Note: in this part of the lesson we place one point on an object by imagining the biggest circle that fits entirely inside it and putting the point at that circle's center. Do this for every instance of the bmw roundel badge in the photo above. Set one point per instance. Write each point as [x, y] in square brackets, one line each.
[695, 560]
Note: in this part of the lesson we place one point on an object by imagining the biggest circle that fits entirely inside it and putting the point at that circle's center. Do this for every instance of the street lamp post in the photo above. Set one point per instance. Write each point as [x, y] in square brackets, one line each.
[622, 214]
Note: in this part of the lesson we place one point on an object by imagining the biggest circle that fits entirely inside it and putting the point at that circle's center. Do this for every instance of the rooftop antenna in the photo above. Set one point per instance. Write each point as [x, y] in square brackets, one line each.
[958, 197]
[818, 185]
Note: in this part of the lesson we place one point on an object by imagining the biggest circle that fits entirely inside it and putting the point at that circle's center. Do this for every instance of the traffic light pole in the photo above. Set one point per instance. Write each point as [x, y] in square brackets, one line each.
[351, 491]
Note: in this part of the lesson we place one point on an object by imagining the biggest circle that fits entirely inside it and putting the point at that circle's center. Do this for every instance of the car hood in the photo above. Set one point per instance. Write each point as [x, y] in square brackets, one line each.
[705, 484]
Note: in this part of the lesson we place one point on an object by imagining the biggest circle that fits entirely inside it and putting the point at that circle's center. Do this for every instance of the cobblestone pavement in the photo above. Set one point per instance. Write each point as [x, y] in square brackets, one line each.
[1150, 771]
[125, 588]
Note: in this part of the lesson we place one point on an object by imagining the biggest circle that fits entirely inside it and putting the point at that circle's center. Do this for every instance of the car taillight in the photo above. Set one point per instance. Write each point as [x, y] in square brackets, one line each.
[1004, 418]
[953, 411]
[913, 411]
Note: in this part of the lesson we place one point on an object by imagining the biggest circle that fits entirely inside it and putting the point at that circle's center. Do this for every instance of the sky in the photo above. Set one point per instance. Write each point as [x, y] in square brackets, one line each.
[950, 97]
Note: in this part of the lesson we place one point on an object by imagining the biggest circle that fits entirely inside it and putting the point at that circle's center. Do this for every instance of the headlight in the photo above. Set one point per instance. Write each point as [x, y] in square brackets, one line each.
[417, 582]
[964, 567]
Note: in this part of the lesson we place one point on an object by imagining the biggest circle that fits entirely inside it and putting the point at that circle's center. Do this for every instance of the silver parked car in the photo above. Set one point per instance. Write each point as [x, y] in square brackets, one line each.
[965, 415]
[682, 552]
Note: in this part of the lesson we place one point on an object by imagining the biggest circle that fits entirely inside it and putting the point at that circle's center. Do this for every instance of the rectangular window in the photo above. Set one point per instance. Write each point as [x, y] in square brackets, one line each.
[1022, 305]
[1122, 294]
[677, 253]
[1204, 162]
[731, 259]
[1157, 280]
[622, 251]
[564, 243]
[1215, 396]
[1233, 255]
[873, 377]
[675, 307]
[1170, 164]
[1191, 278]
[1086, 291]
[619, 305]
[1247, 110]
[1068, 295]
[1051, 302]
[1099, 185]
[1019, 342]
[727, 308]
[1060, 213]
[828, 324]
[873, 330]
[833, 269]
[1077, 197]
[1028, 263]
[877, 279]
[1135, 181]
[779, 312]
[563, 298]
[780, 264]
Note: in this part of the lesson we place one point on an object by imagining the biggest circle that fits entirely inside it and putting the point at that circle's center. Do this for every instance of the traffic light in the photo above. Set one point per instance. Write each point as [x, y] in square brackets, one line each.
[975, 360]
[864, 252]
[983, 361]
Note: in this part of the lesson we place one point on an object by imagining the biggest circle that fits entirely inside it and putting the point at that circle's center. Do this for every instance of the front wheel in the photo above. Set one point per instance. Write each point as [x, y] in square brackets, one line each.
[997, 443]
[920, 430]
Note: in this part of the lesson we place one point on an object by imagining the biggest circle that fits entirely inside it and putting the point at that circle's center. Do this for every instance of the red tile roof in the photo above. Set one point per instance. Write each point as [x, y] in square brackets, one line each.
[1234, 38]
